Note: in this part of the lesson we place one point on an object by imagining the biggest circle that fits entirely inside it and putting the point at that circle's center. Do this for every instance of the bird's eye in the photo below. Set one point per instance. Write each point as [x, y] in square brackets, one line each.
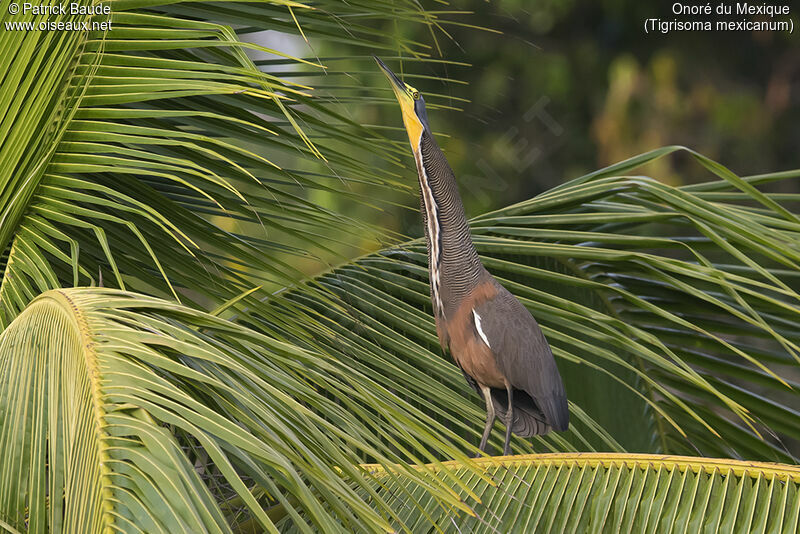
[415, 94]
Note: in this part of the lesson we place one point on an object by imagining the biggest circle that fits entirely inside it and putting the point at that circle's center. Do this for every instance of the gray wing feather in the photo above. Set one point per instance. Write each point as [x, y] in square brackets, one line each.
[523, 355]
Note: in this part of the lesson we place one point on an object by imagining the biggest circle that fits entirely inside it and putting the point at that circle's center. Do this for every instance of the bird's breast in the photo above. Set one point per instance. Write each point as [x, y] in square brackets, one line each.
[476, 359]
[469, 344]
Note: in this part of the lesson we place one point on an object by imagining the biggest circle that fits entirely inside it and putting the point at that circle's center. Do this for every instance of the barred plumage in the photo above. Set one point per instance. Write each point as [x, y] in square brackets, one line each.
[458, 266]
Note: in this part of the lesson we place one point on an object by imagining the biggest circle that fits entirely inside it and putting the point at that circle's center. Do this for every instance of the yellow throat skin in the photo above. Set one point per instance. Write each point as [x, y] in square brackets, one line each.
[410, 120]
[406, 96]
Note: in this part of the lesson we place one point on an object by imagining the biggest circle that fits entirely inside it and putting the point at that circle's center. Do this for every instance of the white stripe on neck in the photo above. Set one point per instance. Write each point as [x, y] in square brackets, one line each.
[433, 228]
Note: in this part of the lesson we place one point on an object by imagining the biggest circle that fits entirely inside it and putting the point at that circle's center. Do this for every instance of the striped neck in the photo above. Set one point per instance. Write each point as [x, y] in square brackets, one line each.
[453, 263]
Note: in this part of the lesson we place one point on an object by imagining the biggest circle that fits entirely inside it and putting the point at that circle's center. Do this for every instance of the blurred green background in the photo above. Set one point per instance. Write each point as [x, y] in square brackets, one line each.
[555, 89]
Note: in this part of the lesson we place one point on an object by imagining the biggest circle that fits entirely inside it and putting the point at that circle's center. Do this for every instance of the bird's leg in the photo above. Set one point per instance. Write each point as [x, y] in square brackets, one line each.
[487, 396]
[509, 420]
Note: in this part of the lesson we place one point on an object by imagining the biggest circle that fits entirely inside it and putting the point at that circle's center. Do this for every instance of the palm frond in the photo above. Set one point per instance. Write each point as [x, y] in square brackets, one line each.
[670, 310]
[130, 412]
[160, 154]
[583, 492]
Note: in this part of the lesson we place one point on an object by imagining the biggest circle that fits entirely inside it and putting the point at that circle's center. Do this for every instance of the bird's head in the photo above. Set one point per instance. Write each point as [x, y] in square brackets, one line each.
[412, 105]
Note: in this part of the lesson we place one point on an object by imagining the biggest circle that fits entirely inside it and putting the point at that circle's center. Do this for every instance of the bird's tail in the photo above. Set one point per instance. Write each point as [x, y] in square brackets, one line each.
[528, 418]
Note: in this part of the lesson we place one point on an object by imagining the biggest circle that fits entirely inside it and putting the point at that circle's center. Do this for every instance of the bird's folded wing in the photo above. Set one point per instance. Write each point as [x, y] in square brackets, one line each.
[523, 354]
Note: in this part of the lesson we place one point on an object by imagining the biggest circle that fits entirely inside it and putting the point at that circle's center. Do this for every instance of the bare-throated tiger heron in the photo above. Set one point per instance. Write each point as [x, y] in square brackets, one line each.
[492, 337]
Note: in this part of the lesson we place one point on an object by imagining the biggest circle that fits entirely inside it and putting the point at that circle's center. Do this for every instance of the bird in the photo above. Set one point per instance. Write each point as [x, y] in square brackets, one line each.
[491, 335]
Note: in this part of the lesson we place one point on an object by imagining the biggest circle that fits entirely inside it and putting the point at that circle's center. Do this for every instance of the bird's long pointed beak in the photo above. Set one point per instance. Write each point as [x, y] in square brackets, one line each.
[412, 123]
[397, 85]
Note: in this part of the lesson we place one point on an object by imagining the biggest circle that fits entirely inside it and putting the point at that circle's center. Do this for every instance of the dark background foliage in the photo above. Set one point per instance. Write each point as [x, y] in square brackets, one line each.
[564, 87]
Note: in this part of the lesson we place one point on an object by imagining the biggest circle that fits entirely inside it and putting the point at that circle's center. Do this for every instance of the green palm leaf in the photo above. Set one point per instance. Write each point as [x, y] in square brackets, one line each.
[163, 137]
[585, 492]
[677, 343]
[130, 412]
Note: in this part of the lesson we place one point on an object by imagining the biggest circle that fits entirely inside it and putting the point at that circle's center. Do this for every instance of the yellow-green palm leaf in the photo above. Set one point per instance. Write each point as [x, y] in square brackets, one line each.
[132, 412]
[619, 493]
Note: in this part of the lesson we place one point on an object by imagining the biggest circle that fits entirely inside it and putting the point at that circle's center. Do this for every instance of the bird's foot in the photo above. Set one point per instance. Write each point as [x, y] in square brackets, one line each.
[482, 452]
